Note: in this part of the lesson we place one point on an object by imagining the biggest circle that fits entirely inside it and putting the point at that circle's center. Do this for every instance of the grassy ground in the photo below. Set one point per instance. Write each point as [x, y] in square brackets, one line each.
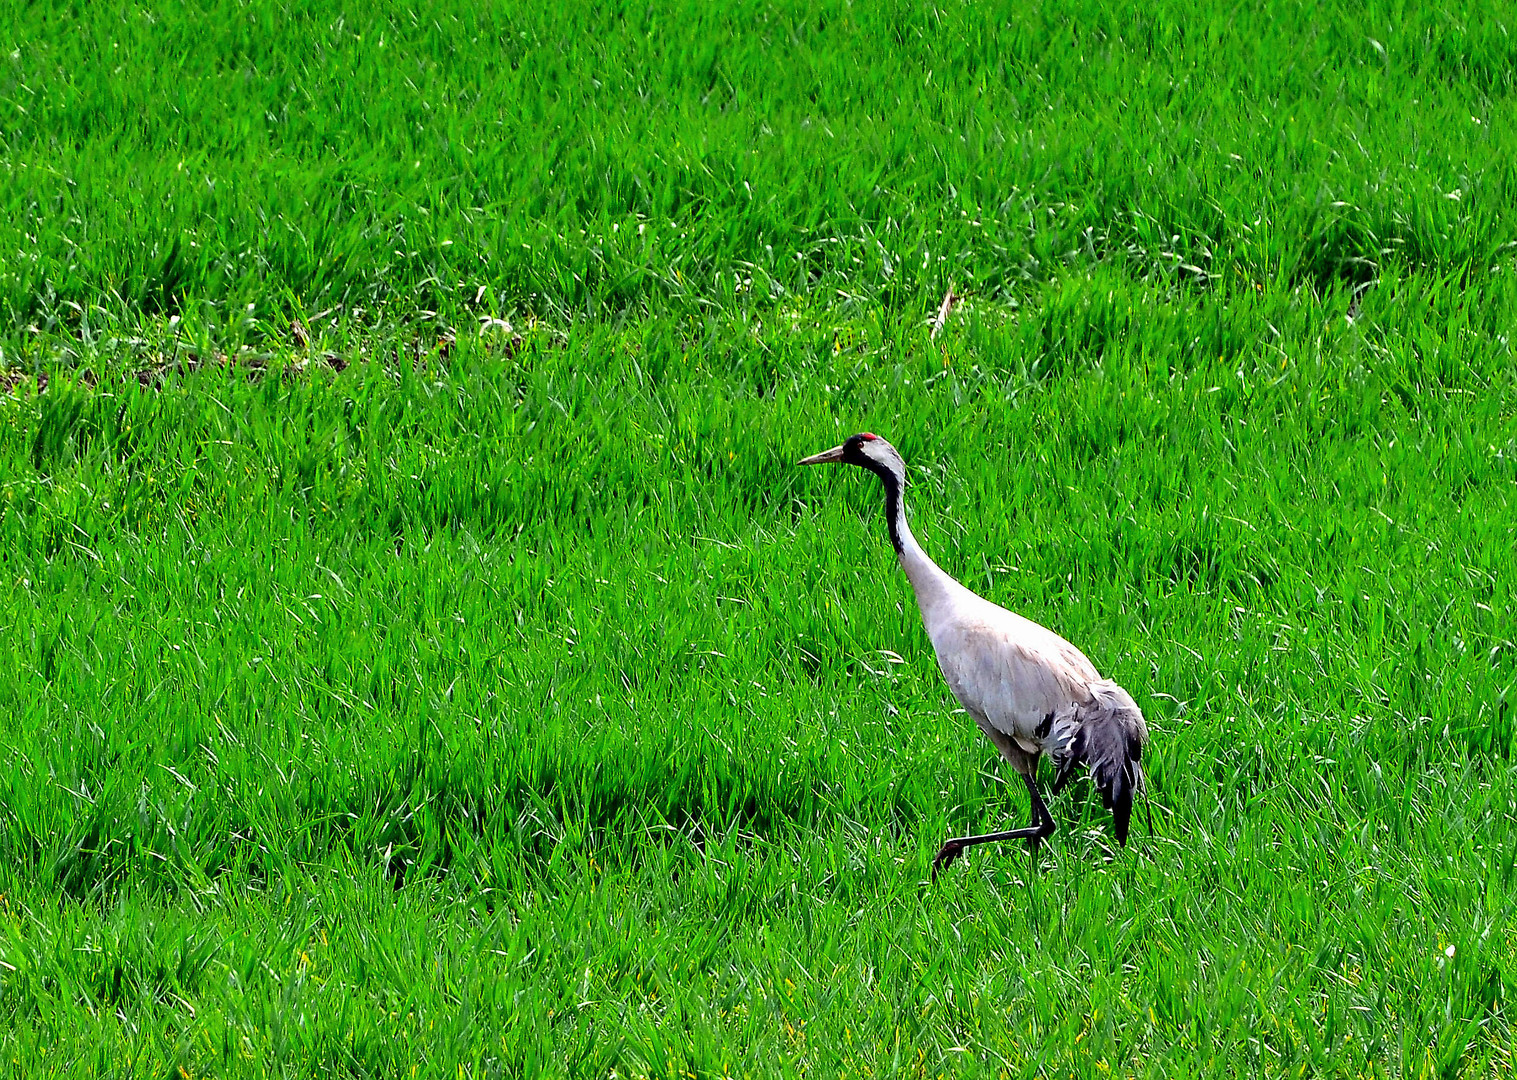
[505, 702]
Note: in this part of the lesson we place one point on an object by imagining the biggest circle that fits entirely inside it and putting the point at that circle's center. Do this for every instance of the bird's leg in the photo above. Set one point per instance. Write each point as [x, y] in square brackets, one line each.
[952, 849]
[1042, 826]
[1041, 818]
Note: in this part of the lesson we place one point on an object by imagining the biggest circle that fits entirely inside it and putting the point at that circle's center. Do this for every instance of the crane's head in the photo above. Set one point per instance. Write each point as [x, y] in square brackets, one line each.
[868, 452]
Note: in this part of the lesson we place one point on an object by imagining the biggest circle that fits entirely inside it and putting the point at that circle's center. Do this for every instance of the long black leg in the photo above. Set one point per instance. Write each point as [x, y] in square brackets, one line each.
[1040, 815]
[1042, 827]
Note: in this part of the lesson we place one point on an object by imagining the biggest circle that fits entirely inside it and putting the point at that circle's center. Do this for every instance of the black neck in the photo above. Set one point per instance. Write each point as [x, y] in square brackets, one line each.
[893, 513]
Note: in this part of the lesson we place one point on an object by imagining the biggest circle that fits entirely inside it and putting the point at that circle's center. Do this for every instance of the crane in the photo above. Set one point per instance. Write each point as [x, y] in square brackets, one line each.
[1030, 691]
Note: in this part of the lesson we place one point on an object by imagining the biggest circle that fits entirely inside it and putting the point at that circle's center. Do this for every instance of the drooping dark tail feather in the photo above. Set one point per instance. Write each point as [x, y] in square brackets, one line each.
[1118, 799]
[1109, 738]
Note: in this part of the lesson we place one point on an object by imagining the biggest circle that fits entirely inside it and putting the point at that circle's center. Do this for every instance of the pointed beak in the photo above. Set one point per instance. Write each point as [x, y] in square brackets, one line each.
[826, 457]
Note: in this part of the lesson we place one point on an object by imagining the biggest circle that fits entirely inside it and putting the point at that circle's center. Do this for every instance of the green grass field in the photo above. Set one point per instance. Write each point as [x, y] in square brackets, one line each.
[423, 658]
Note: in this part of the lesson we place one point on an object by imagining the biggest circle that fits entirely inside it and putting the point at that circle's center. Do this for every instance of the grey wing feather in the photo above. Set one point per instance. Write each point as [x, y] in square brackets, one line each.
[1010, 681]
[1108, 734]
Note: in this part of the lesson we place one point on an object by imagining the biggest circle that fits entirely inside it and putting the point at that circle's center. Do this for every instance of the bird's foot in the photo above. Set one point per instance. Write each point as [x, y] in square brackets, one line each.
[1033, 843]
[946, 854]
